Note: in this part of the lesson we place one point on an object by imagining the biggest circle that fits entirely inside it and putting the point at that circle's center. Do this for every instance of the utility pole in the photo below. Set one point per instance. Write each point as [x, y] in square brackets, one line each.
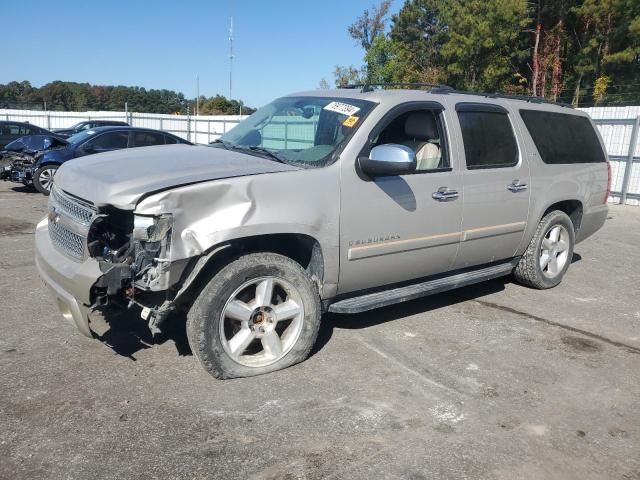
[197, 94]
[231, 59]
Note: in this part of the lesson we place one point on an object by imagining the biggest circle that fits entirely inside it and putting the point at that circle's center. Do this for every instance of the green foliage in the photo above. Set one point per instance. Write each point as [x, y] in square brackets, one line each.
[561, 49]
[71, 96]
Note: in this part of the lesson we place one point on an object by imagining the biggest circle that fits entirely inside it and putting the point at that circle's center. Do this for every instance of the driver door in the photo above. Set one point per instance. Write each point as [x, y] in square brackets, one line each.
[394, 229]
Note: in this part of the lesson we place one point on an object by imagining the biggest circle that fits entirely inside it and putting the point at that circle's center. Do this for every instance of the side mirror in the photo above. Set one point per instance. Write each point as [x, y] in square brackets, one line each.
[390, 159]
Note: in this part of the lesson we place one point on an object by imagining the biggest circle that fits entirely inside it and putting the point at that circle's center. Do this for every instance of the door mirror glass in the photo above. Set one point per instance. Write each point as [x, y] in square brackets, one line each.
[389, 159]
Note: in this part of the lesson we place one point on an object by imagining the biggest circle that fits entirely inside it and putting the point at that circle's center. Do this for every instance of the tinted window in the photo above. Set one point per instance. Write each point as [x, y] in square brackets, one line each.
[562, 138]
[170, 140]
[488, 139]
[15, 129]
[111, 141]
[145, 139]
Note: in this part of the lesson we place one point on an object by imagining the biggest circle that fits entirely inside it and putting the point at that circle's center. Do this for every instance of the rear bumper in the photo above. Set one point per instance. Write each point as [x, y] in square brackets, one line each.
[592, 221]
[69, 281]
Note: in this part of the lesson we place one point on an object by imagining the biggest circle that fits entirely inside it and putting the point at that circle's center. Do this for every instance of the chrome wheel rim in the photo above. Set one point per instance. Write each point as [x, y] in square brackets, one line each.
[261, 321]
[554, 251]
[46, 178]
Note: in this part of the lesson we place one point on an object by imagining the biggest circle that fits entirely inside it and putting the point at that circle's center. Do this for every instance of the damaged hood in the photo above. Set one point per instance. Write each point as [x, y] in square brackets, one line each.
[120, 178]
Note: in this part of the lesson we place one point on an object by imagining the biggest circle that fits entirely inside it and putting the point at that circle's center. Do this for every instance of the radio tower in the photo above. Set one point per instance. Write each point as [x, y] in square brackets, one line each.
[231, 59]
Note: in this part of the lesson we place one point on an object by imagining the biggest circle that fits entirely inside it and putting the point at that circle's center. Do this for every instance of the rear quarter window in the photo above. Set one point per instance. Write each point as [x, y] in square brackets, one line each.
[563, 138]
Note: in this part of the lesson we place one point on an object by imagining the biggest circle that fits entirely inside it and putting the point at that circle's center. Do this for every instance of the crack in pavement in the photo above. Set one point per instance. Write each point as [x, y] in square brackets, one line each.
[586, 333]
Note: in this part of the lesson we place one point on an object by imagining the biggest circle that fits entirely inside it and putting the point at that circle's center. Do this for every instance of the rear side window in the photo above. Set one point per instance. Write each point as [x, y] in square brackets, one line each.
[111, 141]
[488, 139]
[145, 139]
[562, 138]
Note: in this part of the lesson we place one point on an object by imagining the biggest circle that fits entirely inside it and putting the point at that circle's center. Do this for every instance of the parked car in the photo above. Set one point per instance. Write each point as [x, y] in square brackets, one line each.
[10, 131]
[371, 198]
[20, 153]
[88, 125]
[97, 140]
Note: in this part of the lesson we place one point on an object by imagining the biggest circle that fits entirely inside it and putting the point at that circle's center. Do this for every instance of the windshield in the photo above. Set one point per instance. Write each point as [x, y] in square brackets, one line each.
[80, 136]
[299, 130]
[77, 126]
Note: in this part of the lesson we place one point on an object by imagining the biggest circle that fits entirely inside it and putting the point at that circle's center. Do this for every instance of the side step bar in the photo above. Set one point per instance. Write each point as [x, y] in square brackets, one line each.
[383, 298]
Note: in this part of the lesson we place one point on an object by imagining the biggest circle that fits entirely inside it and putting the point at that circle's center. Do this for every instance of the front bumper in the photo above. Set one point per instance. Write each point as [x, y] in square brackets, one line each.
[21, 175]
[68, 280]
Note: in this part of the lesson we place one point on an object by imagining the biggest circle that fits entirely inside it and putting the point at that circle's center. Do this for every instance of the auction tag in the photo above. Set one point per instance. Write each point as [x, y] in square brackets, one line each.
[144, 314]
[350, 121]
[343, 108]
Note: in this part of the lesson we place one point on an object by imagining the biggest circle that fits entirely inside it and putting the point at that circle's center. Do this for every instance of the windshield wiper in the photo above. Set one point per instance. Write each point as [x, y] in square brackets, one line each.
[224, 143]
[269, 153]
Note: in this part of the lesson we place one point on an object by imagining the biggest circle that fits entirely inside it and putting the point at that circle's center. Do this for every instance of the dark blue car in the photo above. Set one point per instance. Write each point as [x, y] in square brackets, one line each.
[88, 142]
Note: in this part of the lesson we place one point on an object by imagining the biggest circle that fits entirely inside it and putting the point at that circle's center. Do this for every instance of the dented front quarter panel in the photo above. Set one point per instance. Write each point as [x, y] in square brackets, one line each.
[211, 213]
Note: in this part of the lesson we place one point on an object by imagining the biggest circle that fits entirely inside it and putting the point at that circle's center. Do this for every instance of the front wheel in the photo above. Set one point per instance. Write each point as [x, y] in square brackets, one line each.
[549, 254]
[259, 314]
[43, 178]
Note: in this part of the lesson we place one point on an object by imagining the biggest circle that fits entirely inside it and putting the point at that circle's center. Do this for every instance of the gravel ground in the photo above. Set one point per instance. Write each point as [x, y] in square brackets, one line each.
[492, 381]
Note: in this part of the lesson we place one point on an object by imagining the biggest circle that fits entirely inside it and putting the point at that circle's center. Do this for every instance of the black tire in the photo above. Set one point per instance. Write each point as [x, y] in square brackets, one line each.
[205, 316]
[529, 271]
[43, 177]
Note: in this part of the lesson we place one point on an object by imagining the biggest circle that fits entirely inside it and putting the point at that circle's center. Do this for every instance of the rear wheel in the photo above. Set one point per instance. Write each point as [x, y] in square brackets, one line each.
[43, 178]
[549, 254]
[259, 314]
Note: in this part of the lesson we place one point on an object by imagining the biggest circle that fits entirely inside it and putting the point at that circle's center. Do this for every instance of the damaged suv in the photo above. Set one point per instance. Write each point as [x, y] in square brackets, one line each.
[342, 201]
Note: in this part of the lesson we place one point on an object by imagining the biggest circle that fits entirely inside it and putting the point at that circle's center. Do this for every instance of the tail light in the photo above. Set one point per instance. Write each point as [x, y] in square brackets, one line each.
[606, 196]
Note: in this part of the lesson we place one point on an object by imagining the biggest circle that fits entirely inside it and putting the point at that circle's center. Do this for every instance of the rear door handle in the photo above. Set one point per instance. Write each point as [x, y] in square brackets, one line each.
[516, 186]
[444, 194]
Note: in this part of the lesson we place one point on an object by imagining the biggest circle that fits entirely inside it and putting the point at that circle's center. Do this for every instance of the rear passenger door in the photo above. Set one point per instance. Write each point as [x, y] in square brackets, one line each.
[496, 185]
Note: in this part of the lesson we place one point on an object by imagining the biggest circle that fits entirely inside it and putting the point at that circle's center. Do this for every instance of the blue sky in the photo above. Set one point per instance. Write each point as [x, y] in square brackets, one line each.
[280, 45]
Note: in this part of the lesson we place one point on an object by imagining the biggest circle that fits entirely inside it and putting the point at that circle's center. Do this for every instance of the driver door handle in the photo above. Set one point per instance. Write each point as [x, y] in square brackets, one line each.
[444, 194]
[516, 186]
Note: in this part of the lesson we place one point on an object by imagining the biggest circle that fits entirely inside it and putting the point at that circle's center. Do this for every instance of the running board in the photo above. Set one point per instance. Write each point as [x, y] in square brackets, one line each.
[370, 301]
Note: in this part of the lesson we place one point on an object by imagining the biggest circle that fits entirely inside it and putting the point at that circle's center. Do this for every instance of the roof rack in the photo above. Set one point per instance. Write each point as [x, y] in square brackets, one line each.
[446, 89]
[370, 87]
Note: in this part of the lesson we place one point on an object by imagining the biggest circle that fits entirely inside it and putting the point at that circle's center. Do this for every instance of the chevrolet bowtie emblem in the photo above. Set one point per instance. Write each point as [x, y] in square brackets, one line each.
[53, 216]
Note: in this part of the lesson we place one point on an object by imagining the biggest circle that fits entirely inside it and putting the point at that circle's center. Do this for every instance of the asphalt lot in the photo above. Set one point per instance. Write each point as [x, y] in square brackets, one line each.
[492, 381]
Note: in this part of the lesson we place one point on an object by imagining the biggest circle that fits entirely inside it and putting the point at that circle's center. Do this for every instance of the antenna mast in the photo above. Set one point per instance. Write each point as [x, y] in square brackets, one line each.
[231, 59]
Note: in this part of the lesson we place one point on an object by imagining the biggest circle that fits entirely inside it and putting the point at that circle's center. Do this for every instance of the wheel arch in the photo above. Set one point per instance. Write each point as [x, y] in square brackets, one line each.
[572, 207]
[301, 248]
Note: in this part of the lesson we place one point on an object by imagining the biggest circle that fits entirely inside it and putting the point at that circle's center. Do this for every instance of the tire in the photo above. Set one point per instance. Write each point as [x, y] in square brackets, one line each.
[554, 239]
[43, 178]
[232, 323]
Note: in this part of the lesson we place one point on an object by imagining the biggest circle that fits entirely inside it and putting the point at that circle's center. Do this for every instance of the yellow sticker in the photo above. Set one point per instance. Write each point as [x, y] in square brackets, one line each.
[350, 121]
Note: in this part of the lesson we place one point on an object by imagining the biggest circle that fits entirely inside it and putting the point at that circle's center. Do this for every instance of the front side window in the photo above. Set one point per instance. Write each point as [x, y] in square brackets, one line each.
[305, 131]
[563, 138]
[488, 139]
[421, 130]
[111, 141]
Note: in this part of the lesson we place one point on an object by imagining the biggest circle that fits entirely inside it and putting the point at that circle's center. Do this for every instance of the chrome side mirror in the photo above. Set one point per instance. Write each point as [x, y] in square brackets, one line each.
[389, 159]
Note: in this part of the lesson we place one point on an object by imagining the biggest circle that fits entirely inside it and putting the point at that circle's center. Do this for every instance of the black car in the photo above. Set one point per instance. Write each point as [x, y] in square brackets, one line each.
[10, 131]
[88, 142]
[87, 125]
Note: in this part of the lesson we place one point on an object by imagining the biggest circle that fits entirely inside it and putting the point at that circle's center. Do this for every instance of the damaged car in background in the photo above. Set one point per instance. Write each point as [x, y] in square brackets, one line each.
[19, 155]
[342, 201]
[40, 169]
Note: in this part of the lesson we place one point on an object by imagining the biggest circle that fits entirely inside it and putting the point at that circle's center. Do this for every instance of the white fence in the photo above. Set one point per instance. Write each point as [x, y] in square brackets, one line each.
[619, 126]
[197, 129]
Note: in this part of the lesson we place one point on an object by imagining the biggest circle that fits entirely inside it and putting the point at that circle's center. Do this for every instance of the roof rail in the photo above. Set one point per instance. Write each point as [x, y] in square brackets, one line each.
[369, 87]
[524, 98]
[446, 89]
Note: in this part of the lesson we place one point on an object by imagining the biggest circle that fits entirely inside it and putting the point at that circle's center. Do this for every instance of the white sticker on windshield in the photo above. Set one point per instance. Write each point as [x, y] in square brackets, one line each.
[343, 108]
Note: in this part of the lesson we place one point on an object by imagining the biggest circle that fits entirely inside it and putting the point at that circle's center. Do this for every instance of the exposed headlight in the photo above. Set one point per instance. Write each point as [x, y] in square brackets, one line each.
[151, 229]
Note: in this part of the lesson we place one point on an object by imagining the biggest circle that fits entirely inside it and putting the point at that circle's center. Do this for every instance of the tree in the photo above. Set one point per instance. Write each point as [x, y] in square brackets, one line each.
[369, 26]
[323, 85]
[347, 75]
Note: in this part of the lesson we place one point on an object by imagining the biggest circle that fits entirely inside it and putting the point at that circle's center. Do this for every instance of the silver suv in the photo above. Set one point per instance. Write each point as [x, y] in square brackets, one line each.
[341, 201]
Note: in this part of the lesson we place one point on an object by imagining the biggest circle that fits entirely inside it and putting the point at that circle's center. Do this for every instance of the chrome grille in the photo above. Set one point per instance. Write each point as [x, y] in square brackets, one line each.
[66, 241]
[69, 222]
[82, 212]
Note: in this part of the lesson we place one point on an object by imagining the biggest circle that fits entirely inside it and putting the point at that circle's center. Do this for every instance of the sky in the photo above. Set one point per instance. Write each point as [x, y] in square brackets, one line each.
[280, 46]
